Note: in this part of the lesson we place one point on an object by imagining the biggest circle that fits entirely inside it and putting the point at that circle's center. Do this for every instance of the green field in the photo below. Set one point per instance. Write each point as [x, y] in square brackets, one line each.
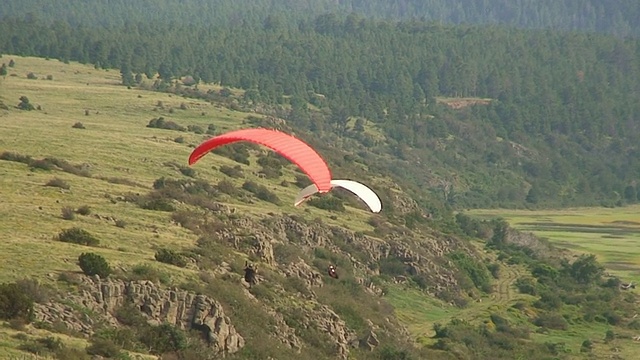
[612, 234]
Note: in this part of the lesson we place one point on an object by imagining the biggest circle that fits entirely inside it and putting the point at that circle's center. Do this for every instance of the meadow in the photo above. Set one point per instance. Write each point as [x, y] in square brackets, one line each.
[612, 234]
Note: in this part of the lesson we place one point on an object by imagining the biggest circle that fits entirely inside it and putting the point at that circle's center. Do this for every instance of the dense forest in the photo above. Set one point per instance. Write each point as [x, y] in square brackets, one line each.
[621, 18]
[559, 124]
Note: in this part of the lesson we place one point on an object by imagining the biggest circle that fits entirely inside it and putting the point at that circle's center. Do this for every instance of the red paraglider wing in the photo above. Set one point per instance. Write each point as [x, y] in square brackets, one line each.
[294, 149]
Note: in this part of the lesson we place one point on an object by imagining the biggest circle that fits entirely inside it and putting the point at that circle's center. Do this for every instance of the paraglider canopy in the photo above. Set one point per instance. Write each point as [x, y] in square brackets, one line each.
[362, 191]
[293, 149]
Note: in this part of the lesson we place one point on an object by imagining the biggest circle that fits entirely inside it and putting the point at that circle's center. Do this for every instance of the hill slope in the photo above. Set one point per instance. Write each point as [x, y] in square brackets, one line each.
[86, 158]
[557, 127]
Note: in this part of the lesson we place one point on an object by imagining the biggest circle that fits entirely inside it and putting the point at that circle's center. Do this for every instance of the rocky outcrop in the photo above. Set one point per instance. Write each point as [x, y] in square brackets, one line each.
[305, 272]
[183, 309]
[327, 321]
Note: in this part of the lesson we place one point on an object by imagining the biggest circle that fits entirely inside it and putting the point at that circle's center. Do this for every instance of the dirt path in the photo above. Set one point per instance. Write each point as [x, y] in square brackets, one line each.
[508, 277]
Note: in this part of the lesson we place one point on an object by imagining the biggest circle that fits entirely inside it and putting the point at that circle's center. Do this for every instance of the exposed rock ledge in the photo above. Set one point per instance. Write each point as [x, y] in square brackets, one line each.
[181, 308]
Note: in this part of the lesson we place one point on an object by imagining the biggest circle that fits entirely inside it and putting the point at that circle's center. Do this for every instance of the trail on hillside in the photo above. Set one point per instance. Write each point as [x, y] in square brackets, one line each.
[507, 279]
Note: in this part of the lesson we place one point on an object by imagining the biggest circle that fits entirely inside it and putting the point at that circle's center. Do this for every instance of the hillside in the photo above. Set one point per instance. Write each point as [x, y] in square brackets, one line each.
[555, 128]
[619, 18]
[176, 239]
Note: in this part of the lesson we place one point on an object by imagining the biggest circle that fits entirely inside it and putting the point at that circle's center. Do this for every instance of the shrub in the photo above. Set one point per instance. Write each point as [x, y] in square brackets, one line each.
[551, 321]
[160, 123]
[196, 129]
[42, 165]
[25, 104]
[68, 213]
[474, 269]
[179, 140]
[159, 204]
[78, 236]
[302, 181]
[10, 156]
[79, 125]
[227, 187]
[121, 223]
[129, 315]
[261, 192]
[233, 172]
[37, 292]
[94, 264]
[103, 347]
[188, 171]
[327, 202]
[163, 338]
[59, 183]
[15, 303]
[170, 257]
[84, 210]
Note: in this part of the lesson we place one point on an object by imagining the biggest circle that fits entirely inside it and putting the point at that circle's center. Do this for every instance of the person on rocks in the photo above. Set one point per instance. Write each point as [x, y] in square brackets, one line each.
[250, 273]
[332, 271]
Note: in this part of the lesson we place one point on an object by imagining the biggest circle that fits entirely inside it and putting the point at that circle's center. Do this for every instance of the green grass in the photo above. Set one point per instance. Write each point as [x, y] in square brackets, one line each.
[612, 234]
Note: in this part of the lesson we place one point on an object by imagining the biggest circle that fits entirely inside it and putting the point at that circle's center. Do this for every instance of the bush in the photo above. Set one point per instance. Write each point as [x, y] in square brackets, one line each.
[196, 129]
[84, 210]
[78, 236]
[37, 292]
[159, 204]
[170, 257]
[233, 172]
[188, 171]
[25, 104]
[121, 223]
[160, 123]
[79, 125]
[103, 347]
[57, 182]
[327, 202]
[261, 192]
[551, 321]
[302, 181]
[68, 213]
[163, 338]
[15, 303]
[94, 264]
[474, 269]
[15, 157]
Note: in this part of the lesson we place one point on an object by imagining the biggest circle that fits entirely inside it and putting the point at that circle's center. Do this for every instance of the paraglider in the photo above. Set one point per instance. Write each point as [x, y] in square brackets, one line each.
[362, 191]
[332, 271]
[250, 273]
[293, 149]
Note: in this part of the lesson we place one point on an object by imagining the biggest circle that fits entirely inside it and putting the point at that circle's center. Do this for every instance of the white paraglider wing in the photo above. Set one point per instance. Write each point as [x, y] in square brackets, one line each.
[305, 193]
[362, 191]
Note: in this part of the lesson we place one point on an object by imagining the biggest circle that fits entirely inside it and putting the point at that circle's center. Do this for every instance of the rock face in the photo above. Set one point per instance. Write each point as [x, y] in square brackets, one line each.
[327, 321]
[181, 308]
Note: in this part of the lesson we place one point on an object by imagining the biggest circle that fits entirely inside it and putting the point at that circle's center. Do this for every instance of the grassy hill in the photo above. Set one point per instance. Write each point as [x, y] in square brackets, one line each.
[399, 278]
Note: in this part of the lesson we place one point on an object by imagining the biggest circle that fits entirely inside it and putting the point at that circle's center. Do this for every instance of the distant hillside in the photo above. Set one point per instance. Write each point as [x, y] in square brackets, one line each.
[620, 18]
[553, 121]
